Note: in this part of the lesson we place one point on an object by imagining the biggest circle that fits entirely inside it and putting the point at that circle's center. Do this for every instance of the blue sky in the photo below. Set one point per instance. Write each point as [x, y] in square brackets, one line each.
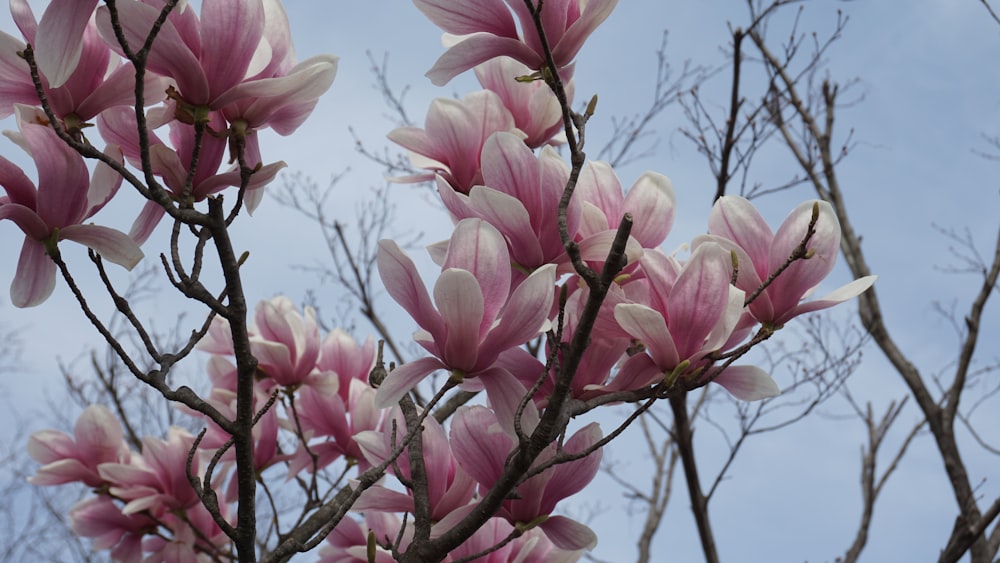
[926, 93]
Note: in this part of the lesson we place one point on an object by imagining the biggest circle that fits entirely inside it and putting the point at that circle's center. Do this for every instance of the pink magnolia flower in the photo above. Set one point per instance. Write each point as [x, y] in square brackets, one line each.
[488, 30]
[95, 80]
[650, 200]
[742, 229]
[520, 197]
[449, 487]
[330, 423]
[477, 318]
[97, 438]
[56, 209]
[689, 316]
[172, 163]
[453, 136]
[205, 56]
[237, 58]
[285, 342]
[481, 447]
[155, 480]
[340, 354]
[348, 541]
[535, 108]
[101, 520]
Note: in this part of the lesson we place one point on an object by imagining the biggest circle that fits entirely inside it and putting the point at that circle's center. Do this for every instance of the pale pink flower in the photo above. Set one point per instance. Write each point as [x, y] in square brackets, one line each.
[330, 423]
[339, 353]
[760, 253]
[205, 57]
[535, 108]
[348, 541]
[688, 317]
[236, 58]
[481, 447]
[97, 438]
[85, 80]
[453, 136]
[285, 342]
[520, 197]
[650, 200]
[155, 480]
[56, 209]
[488, 30]
[172, 163]
[101, 520]
[466, 332]
[449, 487]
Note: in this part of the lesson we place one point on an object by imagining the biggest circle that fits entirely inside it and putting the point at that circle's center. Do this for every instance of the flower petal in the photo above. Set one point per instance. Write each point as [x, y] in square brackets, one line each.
[400, 278]
[569, 534]
[113, 245]
[650, 328]
[835, 297]
[748, 383]
[460, 301]
[35, 278]
[699, 298]
[59, 40]
[403, 378]
[478, 48]
[736, 219]
[525, 314]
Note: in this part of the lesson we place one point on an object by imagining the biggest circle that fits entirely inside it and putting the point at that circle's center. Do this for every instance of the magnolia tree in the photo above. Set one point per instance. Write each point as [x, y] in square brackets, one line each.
[554, 298]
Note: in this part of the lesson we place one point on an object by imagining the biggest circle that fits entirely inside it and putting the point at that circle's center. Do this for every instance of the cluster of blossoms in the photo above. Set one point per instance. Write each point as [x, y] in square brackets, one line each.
[221, 77]
[667, 324]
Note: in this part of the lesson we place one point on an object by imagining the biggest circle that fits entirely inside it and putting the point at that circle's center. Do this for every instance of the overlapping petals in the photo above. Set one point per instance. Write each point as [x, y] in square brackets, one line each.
[520, 195]
[695, 315]
[760, 253]
[535, 109]
[481, 447]
[285, 342]
[97, 438]
[487, 30]
[465, 333]
[56, 209]
[157, 479]
[453, 137]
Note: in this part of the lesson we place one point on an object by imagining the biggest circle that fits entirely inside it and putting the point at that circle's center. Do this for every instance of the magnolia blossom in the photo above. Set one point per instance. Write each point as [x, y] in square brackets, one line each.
[478, 318]
[691, 314]
[453, 137]
[80, 80]
[100, 519]
[520, 196]
[56, 209]
[155, 480]
[481, 447]
[737, 225]
[285, 342]
[535, 108]
[97, 438]
[331, 423]
[449, 487]
[487, 30]
[650, 200]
